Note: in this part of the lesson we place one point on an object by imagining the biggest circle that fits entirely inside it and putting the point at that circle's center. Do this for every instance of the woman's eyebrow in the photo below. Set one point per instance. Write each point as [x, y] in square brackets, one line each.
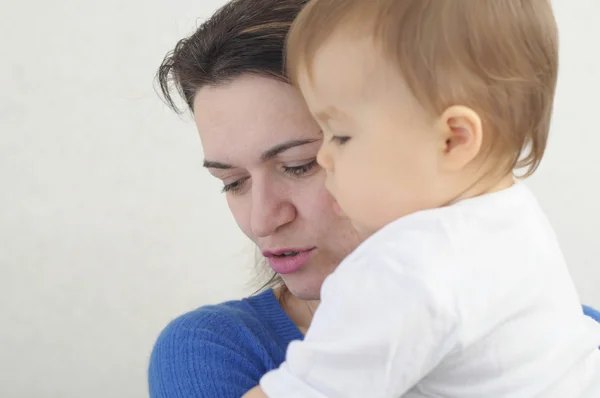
[267, 155]
[284, 146]
[209, 164]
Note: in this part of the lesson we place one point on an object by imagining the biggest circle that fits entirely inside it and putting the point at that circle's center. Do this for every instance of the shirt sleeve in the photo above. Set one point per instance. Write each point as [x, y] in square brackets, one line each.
[199, 356]
[381, 327]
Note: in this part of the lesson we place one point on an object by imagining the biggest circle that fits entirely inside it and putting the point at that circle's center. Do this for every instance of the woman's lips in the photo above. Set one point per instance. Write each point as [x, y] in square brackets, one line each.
[288, 264]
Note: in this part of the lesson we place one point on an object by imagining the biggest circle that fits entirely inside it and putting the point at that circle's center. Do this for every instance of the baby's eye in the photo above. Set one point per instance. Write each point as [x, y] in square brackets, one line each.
[340, 139]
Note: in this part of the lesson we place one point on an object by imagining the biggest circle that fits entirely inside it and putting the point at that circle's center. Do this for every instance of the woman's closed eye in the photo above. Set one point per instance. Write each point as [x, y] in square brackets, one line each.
[302, 170]
[236, 186]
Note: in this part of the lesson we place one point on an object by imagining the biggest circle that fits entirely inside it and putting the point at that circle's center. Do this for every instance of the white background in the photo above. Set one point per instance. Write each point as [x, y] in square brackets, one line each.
[109, 227]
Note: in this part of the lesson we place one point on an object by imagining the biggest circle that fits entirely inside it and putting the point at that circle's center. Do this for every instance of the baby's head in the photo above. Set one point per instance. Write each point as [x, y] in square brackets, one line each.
[424, 102]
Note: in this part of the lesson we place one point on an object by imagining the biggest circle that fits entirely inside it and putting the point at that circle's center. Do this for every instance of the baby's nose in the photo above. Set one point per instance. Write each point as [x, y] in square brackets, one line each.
[324, 158]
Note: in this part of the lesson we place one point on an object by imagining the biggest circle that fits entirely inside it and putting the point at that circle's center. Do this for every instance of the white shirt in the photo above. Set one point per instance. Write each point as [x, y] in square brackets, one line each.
[470, 300]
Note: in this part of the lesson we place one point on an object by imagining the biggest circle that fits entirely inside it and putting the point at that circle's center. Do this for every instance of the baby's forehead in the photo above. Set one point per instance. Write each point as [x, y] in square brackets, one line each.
[350, 66]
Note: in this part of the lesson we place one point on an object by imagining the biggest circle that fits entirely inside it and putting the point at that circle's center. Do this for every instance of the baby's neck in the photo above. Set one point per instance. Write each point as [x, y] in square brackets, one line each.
[486, 186]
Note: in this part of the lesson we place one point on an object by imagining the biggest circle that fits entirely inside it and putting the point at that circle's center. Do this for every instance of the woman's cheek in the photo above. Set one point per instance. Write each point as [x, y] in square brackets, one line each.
[241, 211]
[325, 199]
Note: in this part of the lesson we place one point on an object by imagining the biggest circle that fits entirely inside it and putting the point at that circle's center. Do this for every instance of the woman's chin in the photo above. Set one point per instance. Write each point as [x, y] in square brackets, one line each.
[303, 286]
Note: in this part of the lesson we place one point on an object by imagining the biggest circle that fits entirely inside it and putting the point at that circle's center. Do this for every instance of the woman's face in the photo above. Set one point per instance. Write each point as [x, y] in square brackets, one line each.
[262, 143]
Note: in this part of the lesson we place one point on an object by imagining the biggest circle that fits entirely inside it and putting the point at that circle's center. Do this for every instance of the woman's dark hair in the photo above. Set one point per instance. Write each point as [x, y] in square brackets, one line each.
[244, 36]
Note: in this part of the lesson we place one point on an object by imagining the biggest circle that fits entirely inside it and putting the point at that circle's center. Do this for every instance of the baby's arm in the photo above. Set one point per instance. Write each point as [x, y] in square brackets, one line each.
[379, 330]
[256, 392]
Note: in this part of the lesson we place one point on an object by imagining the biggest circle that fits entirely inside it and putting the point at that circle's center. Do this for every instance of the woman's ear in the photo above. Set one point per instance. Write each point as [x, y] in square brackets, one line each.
[461, 137]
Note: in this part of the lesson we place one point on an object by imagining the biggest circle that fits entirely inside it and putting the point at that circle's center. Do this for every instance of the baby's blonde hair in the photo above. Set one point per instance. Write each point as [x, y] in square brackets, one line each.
[497, 57]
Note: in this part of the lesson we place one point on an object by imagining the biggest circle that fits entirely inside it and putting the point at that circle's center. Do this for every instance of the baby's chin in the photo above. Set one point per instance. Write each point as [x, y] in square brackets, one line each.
[337, 209]
[363, 231]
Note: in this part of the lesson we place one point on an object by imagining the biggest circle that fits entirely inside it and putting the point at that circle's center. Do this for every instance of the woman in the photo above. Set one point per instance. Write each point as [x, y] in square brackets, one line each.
[260, 140]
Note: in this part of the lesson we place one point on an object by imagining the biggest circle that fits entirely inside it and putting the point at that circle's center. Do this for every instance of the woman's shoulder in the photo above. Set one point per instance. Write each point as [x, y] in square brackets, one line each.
[232, 320]
[220, 350]
[219, 318]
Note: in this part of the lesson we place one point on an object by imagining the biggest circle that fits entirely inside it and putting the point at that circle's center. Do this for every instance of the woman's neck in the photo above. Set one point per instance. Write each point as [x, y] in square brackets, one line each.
[300, 311]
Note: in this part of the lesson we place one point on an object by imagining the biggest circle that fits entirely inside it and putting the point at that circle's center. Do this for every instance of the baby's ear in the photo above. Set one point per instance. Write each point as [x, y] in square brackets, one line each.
[461, 136]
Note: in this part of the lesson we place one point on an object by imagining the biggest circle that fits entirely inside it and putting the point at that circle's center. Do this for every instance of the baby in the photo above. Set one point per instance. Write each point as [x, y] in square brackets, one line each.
[460, 290]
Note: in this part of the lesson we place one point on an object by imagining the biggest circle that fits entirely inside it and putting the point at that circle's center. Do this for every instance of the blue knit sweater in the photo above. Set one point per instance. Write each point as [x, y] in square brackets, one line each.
[222, 351]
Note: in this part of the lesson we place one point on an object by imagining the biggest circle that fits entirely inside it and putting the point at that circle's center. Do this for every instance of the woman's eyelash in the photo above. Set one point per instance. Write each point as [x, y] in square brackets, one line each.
[299, 171]
[235, 186]
[295, 171]
[339, 139]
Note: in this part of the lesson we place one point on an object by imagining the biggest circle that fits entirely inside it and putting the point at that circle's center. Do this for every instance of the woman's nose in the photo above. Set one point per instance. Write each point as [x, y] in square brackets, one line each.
[271, 209]
[324, 158]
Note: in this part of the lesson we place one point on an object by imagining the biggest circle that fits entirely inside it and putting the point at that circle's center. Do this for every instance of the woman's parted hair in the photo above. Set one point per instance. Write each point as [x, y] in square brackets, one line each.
[242, 37]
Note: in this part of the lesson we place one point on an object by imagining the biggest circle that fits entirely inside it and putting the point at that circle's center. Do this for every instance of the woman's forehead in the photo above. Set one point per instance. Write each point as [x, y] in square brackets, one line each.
[239, 120]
